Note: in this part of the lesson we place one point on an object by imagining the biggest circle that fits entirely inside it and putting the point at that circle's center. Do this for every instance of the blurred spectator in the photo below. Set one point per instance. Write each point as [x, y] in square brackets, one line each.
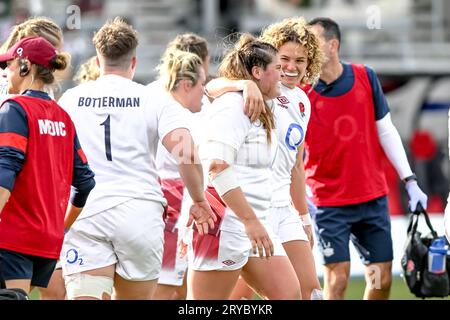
[77, 43]
[90, 6]
[427, 162]
[230, 14]
[298, 3]
[397, 196]
[18, 16]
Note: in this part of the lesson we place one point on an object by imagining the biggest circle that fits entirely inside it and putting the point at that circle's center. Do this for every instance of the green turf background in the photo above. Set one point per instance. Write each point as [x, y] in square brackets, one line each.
[355, 290]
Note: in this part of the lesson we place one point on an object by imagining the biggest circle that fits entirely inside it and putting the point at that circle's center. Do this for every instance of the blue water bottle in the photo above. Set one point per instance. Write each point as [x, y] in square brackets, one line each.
[437, 256]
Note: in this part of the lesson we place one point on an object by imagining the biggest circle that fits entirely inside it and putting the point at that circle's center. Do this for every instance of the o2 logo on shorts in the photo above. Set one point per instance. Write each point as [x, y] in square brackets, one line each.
[72, 257]
[294, 136]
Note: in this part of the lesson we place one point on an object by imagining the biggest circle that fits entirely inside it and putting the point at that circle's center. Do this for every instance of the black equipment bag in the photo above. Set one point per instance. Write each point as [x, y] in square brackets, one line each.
[421, 282]
[10, 294]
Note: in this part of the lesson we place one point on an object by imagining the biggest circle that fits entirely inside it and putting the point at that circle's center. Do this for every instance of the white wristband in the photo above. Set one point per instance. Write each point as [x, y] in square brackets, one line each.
[225, 181]
[306, 219]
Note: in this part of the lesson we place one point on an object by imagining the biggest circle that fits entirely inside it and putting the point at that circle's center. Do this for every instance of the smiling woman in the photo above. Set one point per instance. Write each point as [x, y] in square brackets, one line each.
[239, 173]
[300, 59]
[298, 48]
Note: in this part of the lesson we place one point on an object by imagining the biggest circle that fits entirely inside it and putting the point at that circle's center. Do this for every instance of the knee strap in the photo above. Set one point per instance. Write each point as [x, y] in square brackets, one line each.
[316, 294]
[86, 285]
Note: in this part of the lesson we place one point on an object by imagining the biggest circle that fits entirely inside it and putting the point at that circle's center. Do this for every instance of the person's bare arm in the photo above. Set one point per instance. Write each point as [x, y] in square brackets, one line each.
[72, 214]
[236, 201]
[298, 193]
[180, 144]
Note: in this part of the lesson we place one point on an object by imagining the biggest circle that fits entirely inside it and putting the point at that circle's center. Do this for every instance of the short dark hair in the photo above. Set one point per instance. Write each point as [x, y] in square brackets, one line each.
[331, 28]
[116, 41]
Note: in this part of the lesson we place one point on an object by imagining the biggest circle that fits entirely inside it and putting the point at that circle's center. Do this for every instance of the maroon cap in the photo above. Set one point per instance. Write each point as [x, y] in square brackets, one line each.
[36, 49]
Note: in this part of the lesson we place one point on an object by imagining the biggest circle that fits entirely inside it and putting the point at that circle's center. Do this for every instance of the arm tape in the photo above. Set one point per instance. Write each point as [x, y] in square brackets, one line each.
[225, 181]
[306, 219]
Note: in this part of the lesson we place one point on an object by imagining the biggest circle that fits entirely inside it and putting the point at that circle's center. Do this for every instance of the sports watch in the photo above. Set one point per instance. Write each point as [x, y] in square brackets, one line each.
[410, 178]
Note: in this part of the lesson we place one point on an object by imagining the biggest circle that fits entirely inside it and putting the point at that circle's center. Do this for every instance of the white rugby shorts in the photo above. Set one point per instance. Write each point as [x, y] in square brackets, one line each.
[226, 250]
[447, 219]
[130, 235]
[286, 224]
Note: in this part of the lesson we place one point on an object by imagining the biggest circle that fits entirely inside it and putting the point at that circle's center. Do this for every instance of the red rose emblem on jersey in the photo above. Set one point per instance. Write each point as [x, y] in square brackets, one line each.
[302, 107]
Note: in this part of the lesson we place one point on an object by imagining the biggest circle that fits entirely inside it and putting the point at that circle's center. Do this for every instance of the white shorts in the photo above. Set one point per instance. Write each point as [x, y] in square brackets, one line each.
[225, 250]
[129, 235]
[173, 267]
[286, 224]
[447, 219]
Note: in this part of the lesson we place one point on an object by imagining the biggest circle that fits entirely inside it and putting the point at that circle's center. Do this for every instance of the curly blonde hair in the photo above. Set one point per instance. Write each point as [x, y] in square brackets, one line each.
[87, 71]
[295, 29]
[37, 26]
[190, 42]
[177, 65]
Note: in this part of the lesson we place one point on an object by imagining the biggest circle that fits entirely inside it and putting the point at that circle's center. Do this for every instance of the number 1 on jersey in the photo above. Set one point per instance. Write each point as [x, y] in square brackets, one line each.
[107, 124]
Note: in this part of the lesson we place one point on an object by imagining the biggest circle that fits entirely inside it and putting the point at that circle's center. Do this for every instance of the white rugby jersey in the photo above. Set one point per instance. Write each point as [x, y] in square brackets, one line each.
[3, 87]
[166, 166]
[292, 110]
[226, 123]
[119, 123]
[158, 83]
